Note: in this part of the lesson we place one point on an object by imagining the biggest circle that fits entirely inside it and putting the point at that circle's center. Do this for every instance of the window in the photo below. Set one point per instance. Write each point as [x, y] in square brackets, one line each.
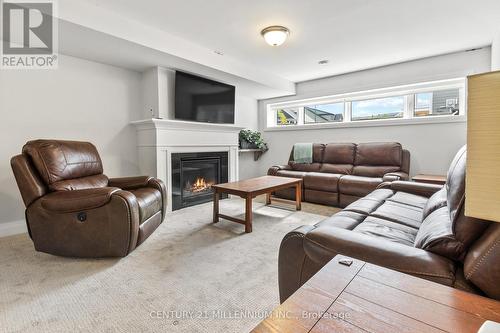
[287, 116]
[381, 108]
[417, 101]
[324, 113]
[437, 103]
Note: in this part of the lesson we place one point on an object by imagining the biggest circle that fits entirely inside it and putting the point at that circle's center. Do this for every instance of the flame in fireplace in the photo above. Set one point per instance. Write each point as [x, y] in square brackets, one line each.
[199, 185]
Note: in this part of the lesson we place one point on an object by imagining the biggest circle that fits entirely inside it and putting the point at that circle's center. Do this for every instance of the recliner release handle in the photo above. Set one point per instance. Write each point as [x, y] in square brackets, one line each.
[82, 216]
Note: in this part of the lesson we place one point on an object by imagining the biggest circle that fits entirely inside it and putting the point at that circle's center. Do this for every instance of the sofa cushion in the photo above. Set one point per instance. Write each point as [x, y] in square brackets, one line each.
[82, 183]
[436, 201]
[339, 153]
[400, 213]
[387, 230]
[305, 167]
[322, 181]
[373, 171]
[345, 169]
[291, 173]
[57, 160]
[357, 185]
[409, 199]
[149, 200]
[446, 230]
[343, 219]
[385, 153]
[364, 206]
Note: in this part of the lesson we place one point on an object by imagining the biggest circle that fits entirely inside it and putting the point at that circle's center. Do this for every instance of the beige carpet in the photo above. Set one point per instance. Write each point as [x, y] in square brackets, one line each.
[189, 276]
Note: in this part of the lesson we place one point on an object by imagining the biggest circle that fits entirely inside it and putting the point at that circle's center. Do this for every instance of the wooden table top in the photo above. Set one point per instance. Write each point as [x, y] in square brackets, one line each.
[433, 179]
[368, 298]
[259, 184]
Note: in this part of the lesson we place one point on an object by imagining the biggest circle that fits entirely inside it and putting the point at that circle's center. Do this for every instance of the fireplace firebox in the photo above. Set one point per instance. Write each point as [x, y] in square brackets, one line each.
[193, 175]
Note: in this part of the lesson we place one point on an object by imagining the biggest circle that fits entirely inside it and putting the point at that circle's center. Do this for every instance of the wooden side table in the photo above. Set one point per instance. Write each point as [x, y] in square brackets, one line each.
[364, 297]
[430, 179]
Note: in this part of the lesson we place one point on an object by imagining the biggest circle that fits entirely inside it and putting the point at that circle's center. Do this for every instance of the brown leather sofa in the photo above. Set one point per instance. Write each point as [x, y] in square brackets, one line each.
[341, 173]
[73, 209]
[415, 228]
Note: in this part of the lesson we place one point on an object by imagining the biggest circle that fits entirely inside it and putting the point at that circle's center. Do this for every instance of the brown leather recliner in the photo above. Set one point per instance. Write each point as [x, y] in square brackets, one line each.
[418, 229]
[341, 173]
[73, 209]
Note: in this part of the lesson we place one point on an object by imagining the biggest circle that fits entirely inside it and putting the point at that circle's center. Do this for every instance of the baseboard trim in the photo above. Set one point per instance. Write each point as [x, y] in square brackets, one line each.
[13, 228]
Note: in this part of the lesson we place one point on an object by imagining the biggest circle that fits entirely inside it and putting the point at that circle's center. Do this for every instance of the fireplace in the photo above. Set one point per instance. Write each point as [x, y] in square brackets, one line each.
[193, 175]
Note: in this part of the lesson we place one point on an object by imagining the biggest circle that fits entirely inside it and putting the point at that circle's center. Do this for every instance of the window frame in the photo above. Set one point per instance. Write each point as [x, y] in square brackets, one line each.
[409, 93]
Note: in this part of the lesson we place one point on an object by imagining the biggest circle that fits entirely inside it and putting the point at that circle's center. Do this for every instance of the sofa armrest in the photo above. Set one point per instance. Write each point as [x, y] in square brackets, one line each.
[322, 244]
[100, 222]
[422, 189]
[129, 183]
[77, 200]
[393, 176]
[273, 171]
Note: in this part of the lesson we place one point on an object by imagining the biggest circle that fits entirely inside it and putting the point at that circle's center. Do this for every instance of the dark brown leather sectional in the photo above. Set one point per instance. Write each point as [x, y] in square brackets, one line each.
[341, 173]
[415, 228]
[73, 209]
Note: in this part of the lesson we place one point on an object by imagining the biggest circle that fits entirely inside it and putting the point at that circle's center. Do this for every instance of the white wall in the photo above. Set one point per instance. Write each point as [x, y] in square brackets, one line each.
[495, 53]
[158, 95]
[432, 146]
[81, 100]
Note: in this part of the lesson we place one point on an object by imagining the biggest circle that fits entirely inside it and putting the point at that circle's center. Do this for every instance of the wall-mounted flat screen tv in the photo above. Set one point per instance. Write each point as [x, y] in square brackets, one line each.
[203, 100]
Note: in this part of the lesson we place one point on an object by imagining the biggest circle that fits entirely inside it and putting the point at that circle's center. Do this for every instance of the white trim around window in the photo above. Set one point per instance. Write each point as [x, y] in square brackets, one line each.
[408, 118]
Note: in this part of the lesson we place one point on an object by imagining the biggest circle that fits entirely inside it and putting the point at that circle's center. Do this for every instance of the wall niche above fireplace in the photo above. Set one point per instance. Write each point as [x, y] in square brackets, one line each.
[193, 175]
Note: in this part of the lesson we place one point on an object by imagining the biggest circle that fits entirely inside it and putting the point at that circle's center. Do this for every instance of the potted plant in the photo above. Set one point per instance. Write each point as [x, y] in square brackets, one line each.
[252, 140]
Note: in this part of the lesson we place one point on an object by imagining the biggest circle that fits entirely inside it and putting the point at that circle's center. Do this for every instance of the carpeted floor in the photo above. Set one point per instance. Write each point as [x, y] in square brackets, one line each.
[189, 276]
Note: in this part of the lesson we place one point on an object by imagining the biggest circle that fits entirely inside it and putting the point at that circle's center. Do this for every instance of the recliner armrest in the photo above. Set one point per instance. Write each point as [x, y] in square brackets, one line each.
[324, 243]
[422, 189]
[394, 176]
[77, 200]
[273, 171]
[129, 183]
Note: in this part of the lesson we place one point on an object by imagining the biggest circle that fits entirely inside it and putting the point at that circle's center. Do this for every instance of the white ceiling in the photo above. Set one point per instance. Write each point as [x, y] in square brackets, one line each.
[352, 34]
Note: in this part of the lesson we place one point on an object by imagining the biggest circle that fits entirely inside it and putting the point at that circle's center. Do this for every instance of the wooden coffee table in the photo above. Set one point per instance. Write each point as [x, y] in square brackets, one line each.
[249, 189]
[364, 297]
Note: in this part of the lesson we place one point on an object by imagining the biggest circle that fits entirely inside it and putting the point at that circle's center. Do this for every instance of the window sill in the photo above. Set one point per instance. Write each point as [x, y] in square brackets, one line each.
[372, 123]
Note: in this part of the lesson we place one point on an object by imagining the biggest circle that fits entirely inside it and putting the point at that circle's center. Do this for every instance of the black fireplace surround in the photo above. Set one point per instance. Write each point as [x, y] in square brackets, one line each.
[193, 174]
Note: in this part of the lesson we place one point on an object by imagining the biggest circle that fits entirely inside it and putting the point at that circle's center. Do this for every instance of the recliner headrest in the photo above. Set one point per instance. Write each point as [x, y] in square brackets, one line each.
[58, 160]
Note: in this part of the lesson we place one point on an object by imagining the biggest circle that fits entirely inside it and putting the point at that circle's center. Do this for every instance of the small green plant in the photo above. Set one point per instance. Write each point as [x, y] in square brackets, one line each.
[252, 139]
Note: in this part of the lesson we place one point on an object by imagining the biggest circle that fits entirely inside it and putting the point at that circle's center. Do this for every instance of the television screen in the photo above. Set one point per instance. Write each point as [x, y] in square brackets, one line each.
[203, 100]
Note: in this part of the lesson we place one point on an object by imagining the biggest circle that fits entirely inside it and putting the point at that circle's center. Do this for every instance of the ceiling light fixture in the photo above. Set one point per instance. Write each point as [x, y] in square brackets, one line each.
[323, 62]
[275, 35]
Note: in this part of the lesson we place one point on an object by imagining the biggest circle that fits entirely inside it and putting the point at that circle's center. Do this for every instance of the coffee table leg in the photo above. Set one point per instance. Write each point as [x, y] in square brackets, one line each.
[216, 206]
[298, 196]
[268, 198]
[248, 214]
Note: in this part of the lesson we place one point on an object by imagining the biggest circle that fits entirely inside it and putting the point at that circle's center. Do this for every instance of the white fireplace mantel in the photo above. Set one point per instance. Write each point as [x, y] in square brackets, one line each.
[157, 139]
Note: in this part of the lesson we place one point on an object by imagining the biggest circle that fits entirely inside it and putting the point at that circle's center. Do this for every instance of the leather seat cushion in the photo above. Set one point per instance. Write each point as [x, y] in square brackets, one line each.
[409, 199]
[291, 173]
[400, 213]
[387, 230]
[149, 200]
[322, 181]
[82, 183]
[345, 169]
[343, 219]
[357, 185]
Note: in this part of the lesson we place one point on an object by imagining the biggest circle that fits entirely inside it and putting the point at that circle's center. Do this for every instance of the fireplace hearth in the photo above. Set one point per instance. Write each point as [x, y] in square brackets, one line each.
[193, 175]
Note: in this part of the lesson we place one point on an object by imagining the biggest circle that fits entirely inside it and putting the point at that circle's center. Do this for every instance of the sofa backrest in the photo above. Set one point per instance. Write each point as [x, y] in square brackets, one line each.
[364, 159]
[376, 159]
[445, 229]
[339, 158]
[66, 165]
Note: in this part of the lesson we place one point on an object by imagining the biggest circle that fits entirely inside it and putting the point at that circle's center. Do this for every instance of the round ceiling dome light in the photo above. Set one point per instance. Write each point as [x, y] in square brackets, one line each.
[275, 35]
